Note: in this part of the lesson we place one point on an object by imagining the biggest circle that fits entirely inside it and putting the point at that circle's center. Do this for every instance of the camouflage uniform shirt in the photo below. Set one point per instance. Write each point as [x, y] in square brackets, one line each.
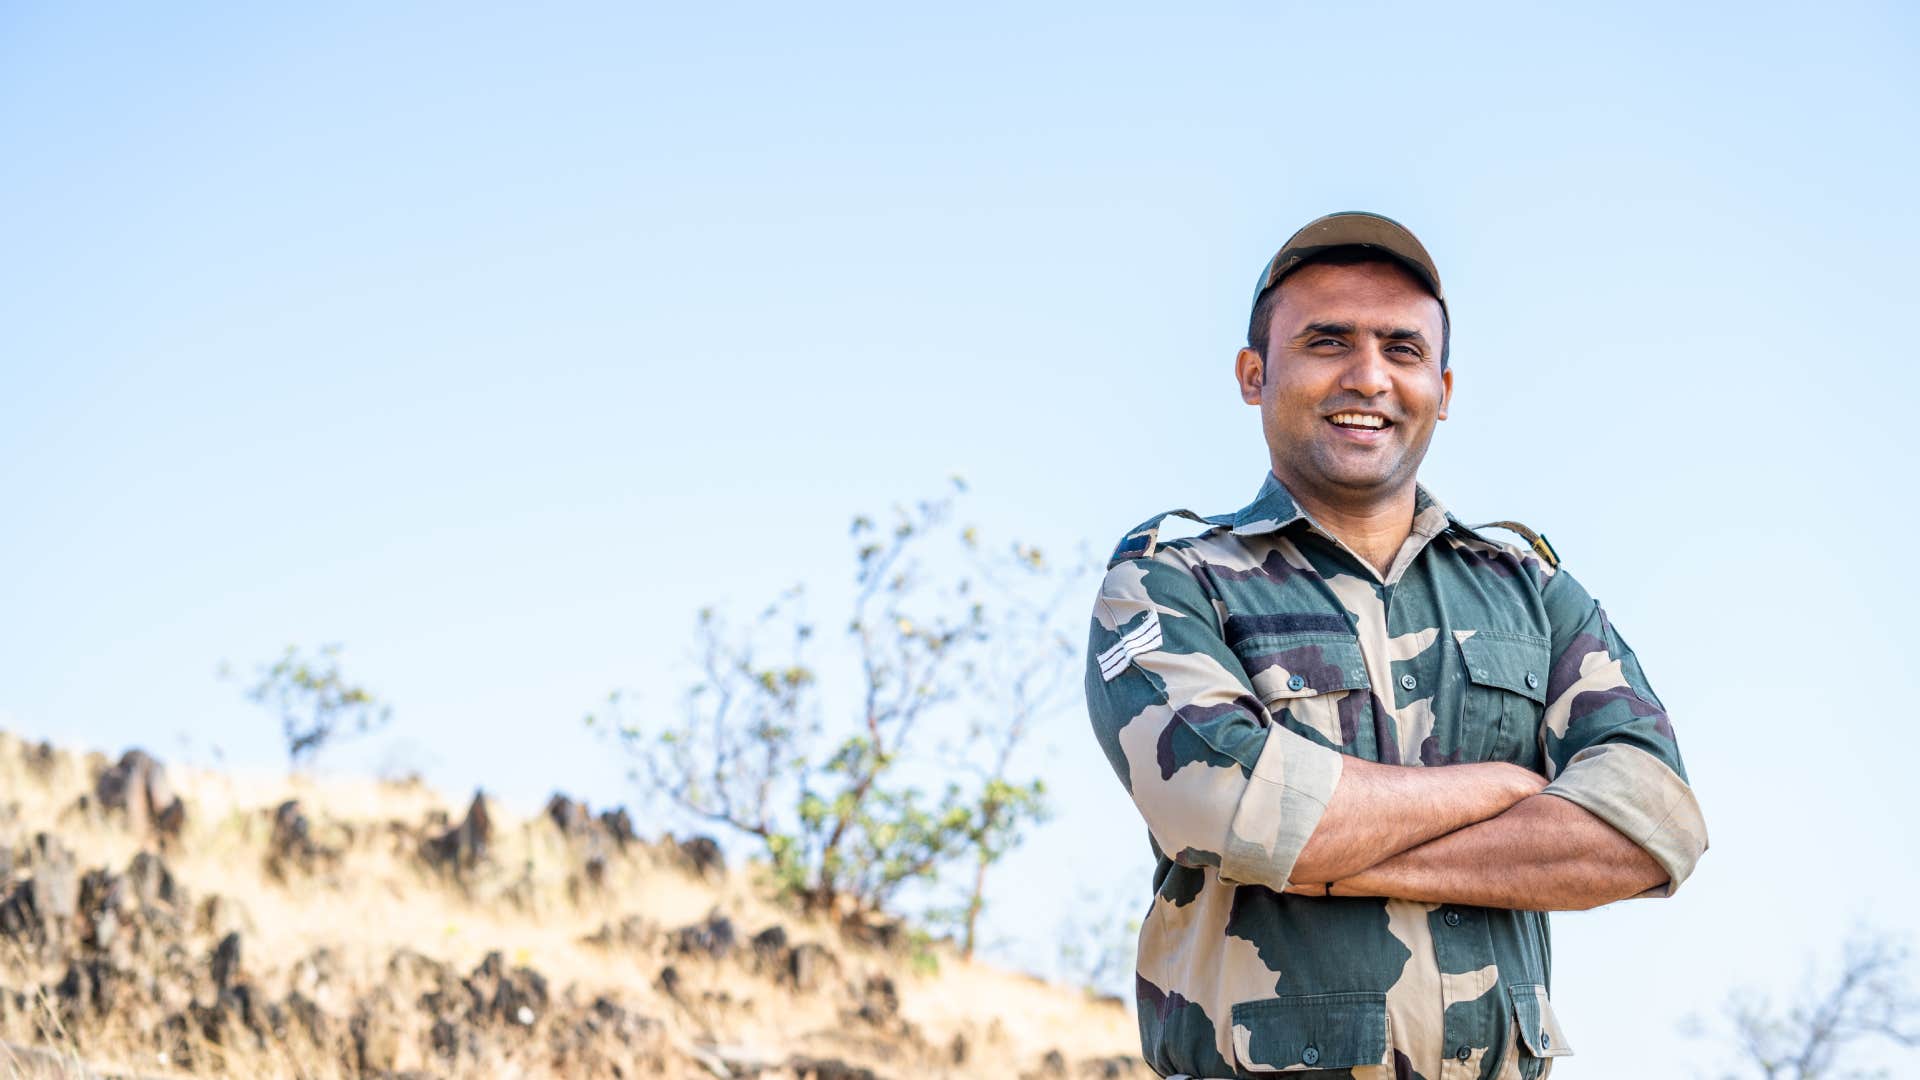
[1230, 674]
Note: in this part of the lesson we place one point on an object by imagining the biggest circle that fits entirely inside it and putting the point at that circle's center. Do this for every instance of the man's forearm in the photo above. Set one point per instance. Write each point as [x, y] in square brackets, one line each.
[1544, 854]
[1377, 811]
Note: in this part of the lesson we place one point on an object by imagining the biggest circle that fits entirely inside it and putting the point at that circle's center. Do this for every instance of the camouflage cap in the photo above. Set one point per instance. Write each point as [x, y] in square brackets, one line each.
[1352, 228]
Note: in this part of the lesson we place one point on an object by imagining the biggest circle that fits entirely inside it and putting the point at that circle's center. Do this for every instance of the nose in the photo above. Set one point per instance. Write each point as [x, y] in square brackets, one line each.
[1367, 373]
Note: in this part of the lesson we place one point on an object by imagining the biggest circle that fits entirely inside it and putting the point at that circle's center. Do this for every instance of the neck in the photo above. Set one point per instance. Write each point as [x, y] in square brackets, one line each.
[1374, 527]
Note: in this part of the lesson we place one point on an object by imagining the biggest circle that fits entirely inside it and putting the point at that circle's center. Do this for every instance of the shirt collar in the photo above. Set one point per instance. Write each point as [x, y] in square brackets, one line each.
[1273, 509]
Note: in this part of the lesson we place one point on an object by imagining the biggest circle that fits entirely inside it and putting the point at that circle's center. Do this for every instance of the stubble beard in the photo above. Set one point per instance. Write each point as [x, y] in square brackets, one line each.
[1329, 476]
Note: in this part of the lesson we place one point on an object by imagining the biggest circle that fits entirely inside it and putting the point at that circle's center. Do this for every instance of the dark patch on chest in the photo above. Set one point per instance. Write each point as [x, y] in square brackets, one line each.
[1241, 627]
[1430, 753]
[1386, 749]
[1274, 568]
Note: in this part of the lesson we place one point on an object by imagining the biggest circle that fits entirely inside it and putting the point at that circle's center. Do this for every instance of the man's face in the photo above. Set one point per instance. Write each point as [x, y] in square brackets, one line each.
[1351, 386]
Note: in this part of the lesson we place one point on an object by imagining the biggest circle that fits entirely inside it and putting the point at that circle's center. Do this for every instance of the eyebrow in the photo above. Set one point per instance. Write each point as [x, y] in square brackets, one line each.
[1346, 329]
[1327, 328]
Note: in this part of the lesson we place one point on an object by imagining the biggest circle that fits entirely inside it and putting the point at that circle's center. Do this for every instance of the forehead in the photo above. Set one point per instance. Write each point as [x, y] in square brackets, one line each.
[1371, 293]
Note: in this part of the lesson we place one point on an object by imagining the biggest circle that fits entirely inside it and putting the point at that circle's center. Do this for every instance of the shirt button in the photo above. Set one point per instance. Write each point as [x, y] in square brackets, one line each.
[1453, 918]
[1310, 1055]
[1546, 1041]
[1407, 681]
[1463, 1053]
[1296, 683]
[1533, 680]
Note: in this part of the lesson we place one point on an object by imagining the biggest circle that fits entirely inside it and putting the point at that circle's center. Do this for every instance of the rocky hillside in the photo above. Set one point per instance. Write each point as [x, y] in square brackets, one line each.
[159, 922]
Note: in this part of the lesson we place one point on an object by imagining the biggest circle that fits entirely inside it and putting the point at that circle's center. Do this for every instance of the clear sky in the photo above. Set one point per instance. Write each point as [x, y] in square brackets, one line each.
[493, 345]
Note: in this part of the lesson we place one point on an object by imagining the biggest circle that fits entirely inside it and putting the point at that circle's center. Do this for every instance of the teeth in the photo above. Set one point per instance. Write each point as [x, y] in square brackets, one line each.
[1358, 420]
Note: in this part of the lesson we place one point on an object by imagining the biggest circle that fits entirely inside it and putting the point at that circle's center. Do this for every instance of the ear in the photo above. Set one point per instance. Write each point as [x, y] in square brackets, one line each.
[1446, 393]
[1250, 371]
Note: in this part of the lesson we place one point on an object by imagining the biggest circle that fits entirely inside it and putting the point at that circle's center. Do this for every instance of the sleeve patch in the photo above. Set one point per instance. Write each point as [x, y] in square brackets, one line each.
[1142, 639]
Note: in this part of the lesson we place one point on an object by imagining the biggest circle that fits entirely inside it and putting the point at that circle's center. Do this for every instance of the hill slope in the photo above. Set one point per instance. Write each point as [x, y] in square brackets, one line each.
[178, 922]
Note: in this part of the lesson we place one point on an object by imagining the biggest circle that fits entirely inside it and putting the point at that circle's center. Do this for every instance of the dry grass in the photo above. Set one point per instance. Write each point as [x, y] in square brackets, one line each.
[529, 902]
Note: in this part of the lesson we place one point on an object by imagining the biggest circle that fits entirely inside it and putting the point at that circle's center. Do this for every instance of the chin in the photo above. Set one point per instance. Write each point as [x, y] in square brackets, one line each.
[1357, 480]
[1362, 485]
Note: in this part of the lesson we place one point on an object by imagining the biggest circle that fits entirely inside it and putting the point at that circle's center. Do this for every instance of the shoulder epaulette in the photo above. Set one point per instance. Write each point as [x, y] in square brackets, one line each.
[1144, 539]
[1537, 541]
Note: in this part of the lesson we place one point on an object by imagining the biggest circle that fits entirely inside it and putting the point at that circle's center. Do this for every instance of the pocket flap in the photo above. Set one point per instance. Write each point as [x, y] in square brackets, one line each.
[1510, 661]
[1316, 1031]
[1539, 1029]
[1297, 665]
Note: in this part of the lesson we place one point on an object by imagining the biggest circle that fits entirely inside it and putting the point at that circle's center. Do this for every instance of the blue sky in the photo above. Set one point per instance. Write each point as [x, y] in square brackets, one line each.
[495, 344]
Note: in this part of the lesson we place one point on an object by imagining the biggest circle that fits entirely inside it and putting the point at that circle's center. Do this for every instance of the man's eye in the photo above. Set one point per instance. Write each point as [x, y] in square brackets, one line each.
[1317, 342]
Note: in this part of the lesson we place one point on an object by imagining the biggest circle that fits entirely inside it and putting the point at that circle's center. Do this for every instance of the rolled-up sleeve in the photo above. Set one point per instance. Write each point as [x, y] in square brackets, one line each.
[1173, 709]
[1609, 747]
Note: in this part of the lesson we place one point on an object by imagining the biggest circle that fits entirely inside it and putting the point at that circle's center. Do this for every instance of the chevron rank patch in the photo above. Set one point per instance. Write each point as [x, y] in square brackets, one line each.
[1142, 639]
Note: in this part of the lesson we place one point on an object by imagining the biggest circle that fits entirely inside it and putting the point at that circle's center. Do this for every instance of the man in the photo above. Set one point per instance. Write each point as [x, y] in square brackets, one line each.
[1372, 746]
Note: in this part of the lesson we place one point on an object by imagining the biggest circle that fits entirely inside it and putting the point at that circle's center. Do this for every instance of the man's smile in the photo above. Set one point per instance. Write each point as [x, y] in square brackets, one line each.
[1364, 428]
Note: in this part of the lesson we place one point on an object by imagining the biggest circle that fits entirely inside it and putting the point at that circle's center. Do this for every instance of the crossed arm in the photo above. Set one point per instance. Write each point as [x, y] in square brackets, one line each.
[1222, 786]
[1483, 835]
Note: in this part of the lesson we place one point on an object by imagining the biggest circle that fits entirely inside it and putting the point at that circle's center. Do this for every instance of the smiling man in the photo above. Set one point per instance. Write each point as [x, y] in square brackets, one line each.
[1372, 746]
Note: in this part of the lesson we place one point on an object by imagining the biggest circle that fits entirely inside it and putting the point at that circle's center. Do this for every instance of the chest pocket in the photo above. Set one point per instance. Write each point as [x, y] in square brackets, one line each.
[1312, 681]
[1506, 692]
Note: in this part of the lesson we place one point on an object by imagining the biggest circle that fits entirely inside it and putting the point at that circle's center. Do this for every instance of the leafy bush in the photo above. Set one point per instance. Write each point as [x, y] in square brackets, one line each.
[316, 705]
[850, 814]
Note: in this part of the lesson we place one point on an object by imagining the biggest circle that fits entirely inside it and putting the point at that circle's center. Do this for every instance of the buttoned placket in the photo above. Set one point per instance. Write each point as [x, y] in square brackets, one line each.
[1462, 945]
[1462, 942]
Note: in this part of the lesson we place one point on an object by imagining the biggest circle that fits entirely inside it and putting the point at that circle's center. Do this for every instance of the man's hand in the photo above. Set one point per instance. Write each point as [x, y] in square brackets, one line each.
[1544, 854]
[1378, 811]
